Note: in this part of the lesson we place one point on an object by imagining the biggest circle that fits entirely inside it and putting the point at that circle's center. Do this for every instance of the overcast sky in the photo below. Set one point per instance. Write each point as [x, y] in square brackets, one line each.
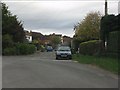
[58, 17]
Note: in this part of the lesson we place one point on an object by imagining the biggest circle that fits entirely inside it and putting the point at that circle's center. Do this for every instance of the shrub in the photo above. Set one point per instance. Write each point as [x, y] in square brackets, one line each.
[109, 23]
[7, 41]
[24, 49]
[42, 48]
[91, 47]
[113, 43]
[9, 51]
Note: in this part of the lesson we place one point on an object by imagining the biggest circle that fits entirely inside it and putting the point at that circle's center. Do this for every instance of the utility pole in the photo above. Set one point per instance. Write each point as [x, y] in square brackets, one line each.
[106, 7]
[119, 7]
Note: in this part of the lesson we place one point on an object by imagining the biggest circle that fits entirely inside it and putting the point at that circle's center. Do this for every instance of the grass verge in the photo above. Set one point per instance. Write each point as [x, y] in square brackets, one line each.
[107, 63]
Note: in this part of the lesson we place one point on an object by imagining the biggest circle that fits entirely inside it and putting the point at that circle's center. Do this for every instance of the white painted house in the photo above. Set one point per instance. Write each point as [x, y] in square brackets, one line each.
[28, 36]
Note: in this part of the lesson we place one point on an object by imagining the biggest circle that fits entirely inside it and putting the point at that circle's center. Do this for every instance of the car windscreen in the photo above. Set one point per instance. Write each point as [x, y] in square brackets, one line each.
[49, 47]
[64, 48]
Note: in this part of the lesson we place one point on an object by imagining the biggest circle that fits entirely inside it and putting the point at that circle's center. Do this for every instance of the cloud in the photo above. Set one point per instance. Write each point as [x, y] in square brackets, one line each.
[56, 16]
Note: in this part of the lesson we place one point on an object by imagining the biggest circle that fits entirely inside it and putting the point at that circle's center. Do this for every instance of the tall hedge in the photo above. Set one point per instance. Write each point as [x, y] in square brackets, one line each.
[109, 23]
[113, 42]
[91, 47]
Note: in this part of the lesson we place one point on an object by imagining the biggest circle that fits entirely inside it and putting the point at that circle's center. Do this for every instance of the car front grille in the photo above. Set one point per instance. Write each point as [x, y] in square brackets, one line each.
[63, 53]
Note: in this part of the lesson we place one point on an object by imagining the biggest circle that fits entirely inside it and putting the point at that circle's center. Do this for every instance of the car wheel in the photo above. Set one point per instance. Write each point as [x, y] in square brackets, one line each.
[70, 58]
[56, 58]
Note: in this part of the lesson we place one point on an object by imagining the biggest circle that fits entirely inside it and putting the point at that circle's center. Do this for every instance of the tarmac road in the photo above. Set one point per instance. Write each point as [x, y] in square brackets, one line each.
[41, 70]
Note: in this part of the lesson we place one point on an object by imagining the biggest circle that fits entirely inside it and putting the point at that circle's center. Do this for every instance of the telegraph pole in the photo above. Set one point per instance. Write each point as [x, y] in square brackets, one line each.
[106, 7]
[119, 7]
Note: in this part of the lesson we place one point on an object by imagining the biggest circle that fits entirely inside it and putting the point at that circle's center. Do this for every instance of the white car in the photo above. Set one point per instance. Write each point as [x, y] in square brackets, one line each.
[63, 52]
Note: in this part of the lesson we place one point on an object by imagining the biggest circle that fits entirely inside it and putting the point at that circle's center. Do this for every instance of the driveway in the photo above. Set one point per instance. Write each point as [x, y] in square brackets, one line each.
[41, 70]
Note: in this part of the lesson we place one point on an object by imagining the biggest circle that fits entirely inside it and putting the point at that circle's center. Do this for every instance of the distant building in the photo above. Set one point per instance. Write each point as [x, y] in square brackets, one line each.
[61, 40]
[28, 36]
[57, 35]
[66, 40]
[47, 39]
[37, 36]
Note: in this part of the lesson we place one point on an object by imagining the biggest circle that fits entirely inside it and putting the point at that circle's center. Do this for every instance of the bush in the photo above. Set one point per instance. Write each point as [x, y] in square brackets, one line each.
[42, 48]
[24, 49]
[109, 23]
[113, 43]
[91, 47]
[7, 41]
[9, 51]
[20, 49]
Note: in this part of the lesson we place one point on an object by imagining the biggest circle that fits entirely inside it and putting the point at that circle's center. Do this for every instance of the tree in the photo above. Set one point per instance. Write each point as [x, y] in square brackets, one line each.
[11, 25]
[55, 40]
[7, 41]
[88, 29]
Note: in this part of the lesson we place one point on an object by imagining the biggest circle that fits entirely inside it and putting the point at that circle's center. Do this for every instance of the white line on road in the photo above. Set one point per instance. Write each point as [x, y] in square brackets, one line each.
[65, 60]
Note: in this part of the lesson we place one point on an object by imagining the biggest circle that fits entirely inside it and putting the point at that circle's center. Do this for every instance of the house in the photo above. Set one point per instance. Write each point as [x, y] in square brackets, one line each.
[28, 36]
[37, 36]
[47, 39]
[66, 40]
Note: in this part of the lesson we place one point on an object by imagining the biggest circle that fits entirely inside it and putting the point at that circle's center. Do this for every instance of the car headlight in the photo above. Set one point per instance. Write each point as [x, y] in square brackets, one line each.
[68, 53]
[57, 53]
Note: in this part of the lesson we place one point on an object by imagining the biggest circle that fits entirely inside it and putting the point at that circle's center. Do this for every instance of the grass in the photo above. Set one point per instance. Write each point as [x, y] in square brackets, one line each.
[107, 63]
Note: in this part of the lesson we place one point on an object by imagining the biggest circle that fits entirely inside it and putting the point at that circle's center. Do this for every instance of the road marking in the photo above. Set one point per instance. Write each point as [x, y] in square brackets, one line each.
[65, 60]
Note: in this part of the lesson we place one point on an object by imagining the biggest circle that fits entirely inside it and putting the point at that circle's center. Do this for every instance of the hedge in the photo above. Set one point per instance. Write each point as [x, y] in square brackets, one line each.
[91, 47]
[20, 49]
[24, 49]
[9, 51]
[113, 45]
[109, 23]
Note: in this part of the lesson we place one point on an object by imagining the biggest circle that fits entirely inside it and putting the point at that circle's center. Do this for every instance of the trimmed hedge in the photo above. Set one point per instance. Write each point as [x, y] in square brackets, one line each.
[91, 47]
[109, 23]
[113, 43]
[24, 49]
[20, 49]
[9, 51]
